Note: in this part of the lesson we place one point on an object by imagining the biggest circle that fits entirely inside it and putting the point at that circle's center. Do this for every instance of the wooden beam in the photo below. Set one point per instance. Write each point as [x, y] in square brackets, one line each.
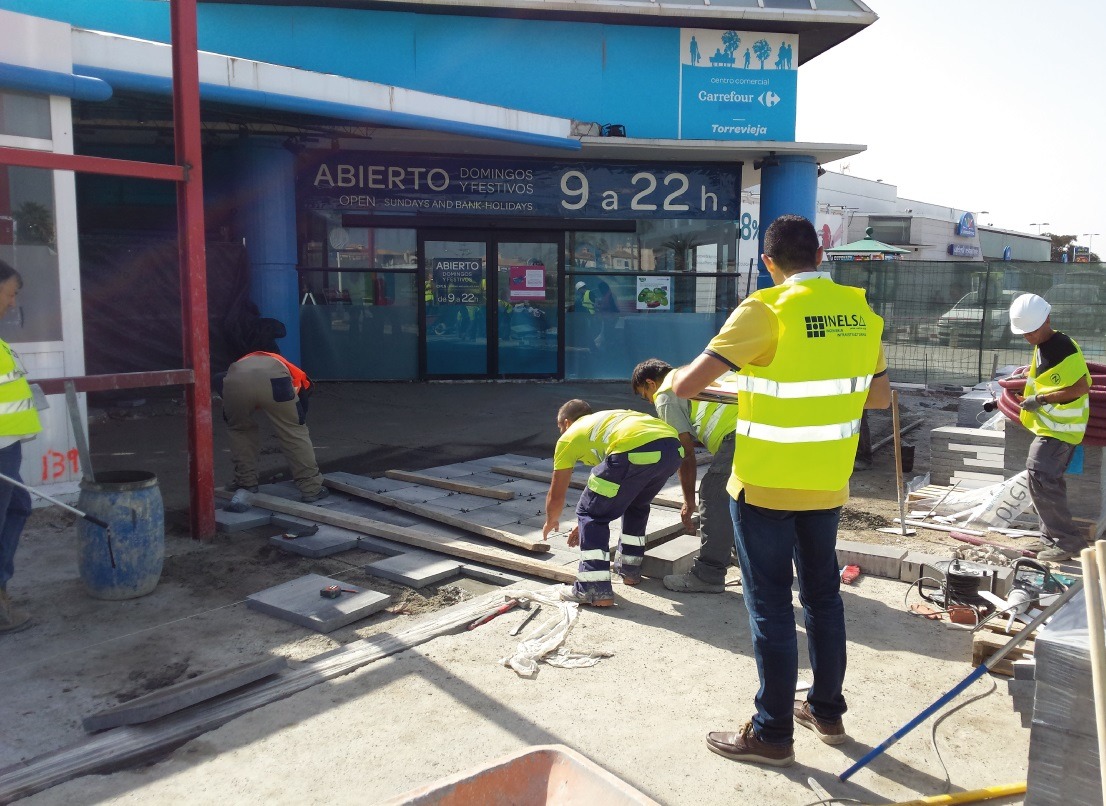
[490, 555]
[449, 484]
[422, 511]
[544, 475]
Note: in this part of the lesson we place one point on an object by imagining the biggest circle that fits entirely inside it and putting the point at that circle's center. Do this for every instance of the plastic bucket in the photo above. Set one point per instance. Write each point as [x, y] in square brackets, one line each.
[129, 501]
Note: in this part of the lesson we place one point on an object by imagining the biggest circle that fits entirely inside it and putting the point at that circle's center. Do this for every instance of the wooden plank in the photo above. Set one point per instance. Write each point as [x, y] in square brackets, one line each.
[542, 475]
[489, 555]
[118, 746]
[436, 515]
[447, 484]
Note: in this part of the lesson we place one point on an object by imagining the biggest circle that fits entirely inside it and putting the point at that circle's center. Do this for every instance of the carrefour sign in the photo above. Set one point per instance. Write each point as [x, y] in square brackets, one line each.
[737, 85]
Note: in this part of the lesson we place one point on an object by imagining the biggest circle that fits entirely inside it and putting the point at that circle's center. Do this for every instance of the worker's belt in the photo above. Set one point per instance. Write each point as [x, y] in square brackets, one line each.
[800, 433]
[799, 389]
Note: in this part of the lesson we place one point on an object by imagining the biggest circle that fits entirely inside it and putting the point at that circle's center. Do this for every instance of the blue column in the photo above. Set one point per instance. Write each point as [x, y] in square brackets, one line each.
[266, 204]
[788, 186]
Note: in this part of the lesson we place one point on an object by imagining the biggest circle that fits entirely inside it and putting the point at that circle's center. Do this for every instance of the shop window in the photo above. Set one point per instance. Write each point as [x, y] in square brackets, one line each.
[24, 115]
[892, 230]
[28, 243]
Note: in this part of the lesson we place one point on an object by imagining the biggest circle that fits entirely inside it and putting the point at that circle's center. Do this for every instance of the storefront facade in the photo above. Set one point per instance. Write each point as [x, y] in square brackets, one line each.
[444, 191]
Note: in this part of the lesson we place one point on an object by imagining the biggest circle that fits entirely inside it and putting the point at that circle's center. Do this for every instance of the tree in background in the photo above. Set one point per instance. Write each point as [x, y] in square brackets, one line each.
[762, 50]
[730, 42]
[1061, 245]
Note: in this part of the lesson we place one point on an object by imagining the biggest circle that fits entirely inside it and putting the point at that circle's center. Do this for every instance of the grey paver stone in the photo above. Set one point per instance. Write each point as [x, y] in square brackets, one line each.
[328, 540]
[673, 557]
[874, 560]
[238, 521]
[415, 568]
[299, 602]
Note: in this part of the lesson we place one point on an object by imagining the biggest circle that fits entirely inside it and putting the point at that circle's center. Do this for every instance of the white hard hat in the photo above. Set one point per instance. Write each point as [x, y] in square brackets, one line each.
[1028, 313]
[580, 285]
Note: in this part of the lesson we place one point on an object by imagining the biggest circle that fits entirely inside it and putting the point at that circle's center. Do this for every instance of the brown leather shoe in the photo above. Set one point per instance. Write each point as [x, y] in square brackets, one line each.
[12, 619]
[745, 746]
[828, 732]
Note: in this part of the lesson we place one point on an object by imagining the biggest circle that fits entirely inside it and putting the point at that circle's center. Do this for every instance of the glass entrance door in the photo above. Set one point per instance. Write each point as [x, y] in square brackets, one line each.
[492, 304]
[456, 330]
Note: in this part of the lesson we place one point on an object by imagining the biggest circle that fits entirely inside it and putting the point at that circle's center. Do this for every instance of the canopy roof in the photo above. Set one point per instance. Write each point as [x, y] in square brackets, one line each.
[866, 246]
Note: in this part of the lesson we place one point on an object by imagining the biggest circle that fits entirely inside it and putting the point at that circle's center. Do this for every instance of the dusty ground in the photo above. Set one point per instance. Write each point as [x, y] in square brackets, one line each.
[85, 654]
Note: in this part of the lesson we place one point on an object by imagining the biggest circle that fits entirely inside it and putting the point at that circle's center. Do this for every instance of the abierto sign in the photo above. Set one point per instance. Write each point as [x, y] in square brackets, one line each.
[424, 186]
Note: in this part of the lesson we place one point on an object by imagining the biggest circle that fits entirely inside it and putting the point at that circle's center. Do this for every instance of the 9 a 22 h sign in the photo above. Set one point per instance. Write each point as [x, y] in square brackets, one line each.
[429, 186]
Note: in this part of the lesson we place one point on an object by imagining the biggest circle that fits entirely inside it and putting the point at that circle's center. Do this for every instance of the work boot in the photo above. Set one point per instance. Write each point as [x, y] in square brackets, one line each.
[1037, 545]
[319, 496]
[828, 732]
[569, 593]
[1055, 555]
[745, 746]
[689, 583]
[12, 619]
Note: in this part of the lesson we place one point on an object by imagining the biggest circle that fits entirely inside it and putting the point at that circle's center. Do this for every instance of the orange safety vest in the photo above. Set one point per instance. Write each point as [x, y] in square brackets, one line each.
[300, 381]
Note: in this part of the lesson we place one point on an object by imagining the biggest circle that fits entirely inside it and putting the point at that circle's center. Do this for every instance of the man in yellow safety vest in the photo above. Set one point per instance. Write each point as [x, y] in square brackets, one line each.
[808, 358]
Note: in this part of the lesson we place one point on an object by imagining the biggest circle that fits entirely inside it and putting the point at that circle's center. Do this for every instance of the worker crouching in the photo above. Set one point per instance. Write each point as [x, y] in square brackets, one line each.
[633, 455]
[271, 383]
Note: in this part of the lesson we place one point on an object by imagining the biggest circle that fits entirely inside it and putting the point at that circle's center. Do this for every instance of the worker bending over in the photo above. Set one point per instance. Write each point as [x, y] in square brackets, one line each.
[808, 360]
[1056, 408]
[633, 454]
[271, 383]
[711, 425]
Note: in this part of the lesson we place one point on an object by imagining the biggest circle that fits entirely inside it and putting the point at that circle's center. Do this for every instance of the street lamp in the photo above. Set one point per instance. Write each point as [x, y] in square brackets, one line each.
[1090, 240]
[1038, 226]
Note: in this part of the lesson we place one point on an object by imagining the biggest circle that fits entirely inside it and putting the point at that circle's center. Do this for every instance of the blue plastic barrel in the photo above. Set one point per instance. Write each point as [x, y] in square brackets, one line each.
[130, 502]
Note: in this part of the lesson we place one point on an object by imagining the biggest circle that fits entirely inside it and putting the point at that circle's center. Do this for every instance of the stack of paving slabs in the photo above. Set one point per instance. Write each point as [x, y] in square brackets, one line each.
[1063, 750]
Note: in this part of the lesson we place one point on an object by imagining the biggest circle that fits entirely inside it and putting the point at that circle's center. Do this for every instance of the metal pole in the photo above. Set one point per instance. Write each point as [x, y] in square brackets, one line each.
[975, 674]
[193, 265]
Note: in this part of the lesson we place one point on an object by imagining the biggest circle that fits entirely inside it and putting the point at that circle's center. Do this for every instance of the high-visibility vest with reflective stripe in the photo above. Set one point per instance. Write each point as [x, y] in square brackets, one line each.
[712, 422]
[594, 436]
[1066, 422]
[587, 301]
[798, 418]
[18, 416]
[300, 380]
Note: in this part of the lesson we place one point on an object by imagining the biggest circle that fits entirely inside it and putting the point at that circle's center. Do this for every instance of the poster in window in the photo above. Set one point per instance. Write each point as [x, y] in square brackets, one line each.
[654, 293]
[526, 283]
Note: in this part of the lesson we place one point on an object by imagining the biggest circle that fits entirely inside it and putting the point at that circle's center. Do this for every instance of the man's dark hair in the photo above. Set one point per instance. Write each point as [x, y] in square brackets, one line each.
[573, 410]
[792, 242]
[7, 272]
[651, 369]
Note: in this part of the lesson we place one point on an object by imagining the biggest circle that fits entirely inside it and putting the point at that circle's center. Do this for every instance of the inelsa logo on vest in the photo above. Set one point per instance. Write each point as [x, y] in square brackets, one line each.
[816, 326]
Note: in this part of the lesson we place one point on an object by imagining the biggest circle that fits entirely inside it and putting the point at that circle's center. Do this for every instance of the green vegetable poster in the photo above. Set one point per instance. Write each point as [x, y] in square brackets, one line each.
[654, 293]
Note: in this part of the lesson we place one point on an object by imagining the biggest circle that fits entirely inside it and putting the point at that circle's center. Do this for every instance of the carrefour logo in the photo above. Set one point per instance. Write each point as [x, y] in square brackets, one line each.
[817, 326]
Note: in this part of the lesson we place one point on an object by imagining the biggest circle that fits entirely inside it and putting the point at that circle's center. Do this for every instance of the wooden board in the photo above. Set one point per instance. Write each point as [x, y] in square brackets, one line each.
[543, 475]
[985, 644]
[489, 555]
[436, 515]
[449, 484]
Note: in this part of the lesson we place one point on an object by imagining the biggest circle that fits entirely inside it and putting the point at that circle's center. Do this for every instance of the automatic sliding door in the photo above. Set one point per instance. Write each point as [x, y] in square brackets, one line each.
[456, 308]
[527, 275]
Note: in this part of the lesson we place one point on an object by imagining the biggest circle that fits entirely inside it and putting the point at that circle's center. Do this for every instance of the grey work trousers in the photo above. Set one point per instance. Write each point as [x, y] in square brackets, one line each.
[716, 543]
[261, 382]
[1048, 459]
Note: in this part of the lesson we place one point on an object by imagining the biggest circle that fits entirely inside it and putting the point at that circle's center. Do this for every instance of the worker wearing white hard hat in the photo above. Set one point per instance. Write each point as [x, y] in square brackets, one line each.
[1056, 408]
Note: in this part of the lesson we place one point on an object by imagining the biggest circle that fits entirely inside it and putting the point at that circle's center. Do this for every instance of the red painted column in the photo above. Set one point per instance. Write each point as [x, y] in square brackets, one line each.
[193, 265]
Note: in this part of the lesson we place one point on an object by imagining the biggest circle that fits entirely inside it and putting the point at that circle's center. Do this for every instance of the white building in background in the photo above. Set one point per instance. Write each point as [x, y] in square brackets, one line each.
[848, 205]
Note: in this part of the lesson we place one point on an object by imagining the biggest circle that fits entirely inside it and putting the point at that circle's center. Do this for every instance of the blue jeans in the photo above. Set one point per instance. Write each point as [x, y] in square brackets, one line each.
[15, 508]
[768, 540]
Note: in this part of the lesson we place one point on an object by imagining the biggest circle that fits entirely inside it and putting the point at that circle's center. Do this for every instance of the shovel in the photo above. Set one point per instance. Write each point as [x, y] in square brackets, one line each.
[90, 518]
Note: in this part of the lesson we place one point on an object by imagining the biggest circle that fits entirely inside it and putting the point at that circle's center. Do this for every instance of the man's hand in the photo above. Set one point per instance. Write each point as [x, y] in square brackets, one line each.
[551, 525]
[574, 536]
[685, 516]
[1031, 403]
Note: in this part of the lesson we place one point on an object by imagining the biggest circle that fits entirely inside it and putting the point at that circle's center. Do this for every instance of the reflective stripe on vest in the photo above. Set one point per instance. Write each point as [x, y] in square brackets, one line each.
[18, 416]
[712, 422]
[799, 417]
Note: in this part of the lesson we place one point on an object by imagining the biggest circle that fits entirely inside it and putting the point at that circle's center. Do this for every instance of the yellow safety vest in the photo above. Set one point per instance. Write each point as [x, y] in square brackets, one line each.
[1066, 422]
[18, 416]
[591, 438]
[712, 422]
[799, 417]
[587, 302]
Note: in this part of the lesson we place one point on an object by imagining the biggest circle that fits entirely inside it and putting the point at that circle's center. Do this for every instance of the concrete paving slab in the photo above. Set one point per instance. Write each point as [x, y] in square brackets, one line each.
[378, 545]
[493, 576]
[417, 494]
[175, 698]
[506, 459]
[328, 540]
[415, 568]
[229, 522]
[299, 602]
[673, 557]
[367, 509]
[915, 565]
[374, 485]
[462, 502]
[490, 516]
[874, 560]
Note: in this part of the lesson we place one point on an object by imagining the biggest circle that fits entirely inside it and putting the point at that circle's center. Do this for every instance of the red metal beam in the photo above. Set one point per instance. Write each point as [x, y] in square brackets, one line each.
[123, 380]
[193, 265]
[26, 158]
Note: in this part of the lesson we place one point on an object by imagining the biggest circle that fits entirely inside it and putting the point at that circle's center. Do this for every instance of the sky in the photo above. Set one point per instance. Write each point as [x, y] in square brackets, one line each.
[996, 105]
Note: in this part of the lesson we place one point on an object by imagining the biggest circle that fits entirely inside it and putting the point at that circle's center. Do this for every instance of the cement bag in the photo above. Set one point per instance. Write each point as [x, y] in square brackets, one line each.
[546, 640]
[1009, 500]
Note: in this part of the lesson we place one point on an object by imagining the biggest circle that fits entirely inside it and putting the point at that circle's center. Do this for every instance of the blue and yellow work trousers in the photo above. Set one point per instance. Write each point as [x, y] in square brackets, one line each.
[621, 486]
